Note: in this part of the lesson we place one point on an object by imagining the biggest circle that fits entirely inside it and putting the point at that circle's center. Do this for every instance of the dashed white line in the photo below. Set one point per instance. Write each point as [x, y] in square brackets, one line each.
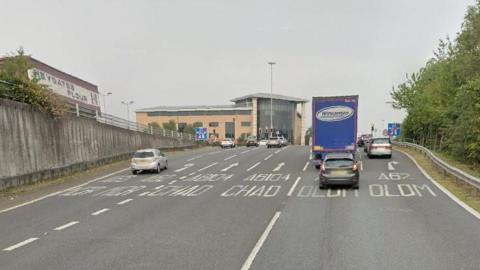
[230, 157]
[21, 244]
[159, 187]
[290, 192]
[361, 165]
[100, 212]
[183, 177]
[278, 151]
[269, 156]
[190, 174]
[260, 242]
[63, 227]
[211, 165]
[256, 164]
[185, 167]
[244, 152]
[125, 201]
[306, 166]
[143, 194]
[173, 181]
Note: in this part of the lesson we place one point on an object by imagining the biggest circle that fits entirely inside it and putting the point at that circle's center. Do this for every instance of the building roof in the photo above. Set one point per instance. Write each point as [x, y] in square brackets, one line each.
[268, 95]
[194, 108]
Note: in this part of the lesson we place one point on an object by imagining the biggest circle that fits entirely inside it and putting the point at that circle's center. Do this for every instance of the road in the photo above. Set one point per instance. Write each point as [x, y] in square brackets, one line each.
[244, 208]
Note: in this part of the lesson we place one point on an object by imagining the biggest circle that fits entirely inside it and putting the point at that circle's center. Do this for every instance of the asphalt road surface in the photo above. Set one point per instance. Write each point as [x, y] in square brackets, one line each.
[244, 208]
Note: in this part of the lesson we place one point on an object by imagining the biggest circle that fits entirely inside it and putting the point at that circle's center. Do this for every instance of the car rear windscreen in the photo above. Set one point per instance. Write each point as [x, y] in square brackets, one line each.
[338, 163]
[143, 154]
[381, 141]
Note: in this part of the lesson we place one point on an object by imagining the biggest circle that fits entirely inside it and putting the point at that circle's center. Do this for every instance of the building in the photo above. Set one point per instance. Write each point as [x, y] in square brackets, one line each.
[76, 92]
[249, 115]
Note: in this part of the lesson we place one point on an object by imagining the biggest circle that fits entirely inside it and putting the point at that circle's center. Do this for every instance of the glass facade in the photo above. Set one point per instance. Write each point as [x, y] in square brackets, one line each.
[283, 113]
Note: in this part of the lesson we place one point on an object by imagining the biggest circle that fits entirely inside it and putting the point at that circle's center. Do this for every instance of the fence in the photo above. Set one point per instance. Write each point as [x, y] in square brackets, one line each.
[447, 169]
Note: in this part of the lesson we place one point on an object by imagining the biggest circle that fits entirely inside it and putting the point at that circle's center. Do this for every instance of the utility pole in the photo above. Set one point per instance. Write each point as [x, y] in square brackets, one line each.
[271, 97]
[128, 103]
[105, 100]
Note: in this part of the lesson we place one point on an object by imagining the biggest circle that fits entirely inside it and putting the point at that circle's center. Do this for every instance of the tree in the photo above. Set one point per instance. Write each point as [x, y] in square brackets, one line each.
[170, 125]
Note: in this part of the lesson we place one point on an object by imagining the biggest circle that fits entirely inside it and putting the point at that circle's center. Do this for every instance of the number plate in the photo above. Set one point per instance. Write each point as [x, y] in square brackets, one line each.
[339, 173]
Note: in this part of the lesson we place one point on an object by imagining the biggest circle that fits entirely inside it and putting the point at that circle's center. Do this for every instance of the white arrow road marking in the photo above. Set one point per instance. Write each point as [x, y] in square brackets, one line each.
[63, 227]
[211, 165]
[279, 166]
[390, 165]
[185, 167]
[256, 164]
[229, 167]
[21, 244]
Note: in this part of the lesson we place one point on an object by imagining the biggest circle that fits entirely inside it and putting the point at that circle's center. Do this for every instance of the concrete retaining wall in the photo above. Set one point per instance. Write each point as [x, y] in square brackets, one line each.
[34, 146]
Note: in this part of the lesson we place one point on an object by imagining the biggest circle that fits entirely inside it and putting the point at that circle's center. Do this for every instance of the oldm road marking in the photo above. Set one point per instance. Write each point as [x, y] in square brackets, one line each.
[258, 246]
[21, 244]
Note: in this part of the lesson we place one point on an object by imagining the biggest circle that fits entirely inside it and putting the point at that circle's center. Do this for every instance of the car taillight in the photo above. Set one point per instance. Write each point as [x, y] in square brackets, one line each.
[322, 168]
[355, 167]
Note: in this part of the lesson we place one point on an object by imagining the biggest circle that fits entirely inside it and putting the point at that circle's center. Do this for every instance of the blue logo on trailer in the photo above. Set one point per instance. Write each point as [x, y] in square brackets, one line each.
[201, 134]
[394, 129]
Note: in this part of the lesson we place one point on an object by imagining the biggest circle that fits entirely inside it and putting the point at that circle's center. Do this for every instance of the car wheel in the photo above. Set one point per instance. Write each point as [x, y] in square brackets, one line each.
[389, 156]
[158, 170]
[166, 165]
[134, 172]
[322, 186]
[369, 156]
[355, 186]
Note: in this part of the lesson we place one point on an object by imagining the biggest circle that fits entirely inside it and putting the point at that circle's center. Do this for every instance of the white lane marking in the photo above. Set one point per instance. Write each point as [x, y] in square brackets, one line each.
[290, 192]
[256, 164]
[143, 194]
[306, 166]
[63, 227]
[361, 165]
[159, 187]
[244, 152]
[444, 190]
[278, 151]
[186, 166]
[230, 157]
[21, 244]
[190, 174]
[260, 242]
[279, 166]
[183, 177]
[173, 181]
[269, 156]
[211, 165]
[124, 201]
[390, 165]
[61, 191]
[229, 167]
[100, 212]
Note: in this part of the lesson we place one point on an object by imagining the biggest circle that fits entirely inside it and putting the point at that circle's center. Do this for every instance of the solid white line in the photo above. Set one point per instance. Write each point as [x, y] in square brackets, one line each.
[290, 192]
[267, 158]
[256, 164]
[21, 244]
[204, 168]
[230, 157]
[70, 224]
[125, 201]
[260, 242]
[61, 191]
[306, 166]
[446, 191]
[100, 212]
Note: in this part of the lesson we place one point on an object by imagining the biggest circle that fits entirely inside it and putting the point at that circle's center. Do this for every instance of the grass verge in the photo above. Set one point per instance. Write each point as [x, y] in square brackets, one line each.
[460, 190]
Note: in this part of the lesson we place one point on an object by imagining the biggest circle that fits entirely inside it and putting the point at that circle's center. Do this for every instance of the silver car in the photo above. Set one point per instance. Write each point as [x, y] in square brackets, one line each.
[379, 147]
[148, 160]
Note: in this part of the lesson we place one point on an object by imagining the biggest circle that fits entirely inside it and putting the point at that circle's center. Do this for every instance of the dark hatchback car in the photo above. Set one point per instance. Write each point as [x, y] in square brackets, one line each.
[251, 141]
[339, 169]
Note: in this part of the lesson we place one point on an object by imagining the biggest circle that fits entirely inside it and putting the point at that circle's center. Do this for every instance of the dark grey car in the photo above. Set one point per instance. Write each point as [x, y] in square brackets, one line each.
[339, 169]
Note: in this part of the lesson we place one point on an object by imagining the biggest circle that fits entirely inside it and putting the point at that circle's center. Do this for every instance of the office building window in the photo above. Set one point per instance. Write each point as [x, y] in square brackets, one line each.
[246, 124]
[213, 124]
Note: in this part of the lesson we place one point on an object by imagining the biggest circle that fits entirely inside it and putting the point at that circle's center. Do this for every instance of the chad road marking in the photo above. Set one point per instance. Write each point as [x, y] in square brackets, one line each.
[21, 244]
[279, 166]
[390, 165]
[260, 242]
[63, 227]
[229, 167]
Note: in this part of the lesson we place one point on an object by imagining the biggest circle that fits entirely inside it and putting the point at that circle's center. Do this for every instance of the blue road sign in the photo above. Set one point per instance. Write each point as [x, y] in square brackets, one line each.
[394, 129]
[201, 134]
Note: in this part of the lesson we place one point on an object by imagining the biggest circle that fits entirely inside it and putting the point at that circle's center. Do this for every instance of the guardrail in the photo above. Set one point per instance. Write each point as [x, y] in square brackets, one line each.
[456, 173]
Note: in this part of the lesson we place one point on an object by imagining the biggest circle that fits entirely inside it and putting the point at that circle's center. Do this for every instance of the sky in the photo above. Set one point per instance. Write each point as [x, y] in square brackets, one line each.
[192, 52]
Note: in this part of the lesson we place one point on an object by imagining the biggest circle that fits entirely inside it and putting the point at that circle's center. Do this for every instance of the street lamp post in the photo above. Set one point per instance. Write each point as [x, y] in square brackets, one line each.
[105, 100]
[128, 103]
[271, 97]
